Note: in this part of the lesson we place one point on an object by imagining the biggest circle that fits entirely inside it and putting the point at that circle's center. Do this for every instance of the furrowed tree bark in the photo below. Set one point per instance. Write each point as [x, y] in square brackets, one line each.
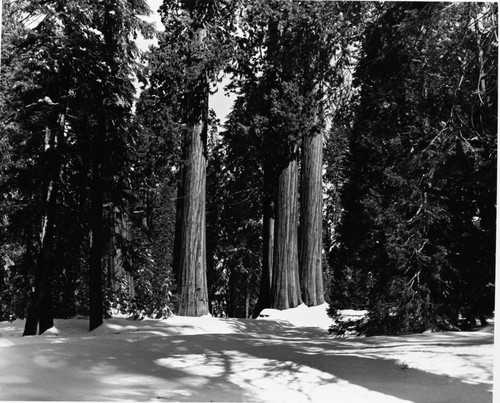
[311, 214]
[285, 281]
[192, 248]
[265, 297]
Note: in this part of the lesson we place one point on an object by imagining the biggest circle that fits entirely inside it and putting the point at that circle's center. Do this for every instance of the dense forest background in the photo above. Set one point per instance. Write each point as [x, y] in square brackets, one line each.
[357, 166]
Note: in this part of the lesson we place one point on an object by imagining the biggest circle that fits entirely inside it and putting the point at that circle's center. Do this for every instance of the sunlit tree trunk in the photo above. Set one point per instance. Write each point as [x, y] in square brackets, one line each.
[192, 249]
[311, 204]
[285, 281]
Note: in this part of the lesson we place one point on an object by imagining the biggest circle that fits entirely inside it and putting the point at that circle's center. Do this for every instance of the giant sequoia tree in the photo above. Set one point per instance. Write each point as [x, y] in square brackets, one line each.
[295, 53]
[199, 35]
[273, 94]
[192, 279]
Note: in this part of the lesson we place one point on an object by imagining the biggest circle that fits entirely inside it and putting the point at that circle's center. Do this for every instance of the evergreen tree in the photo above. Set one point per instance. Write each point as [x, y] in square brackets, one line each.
[72, 97]
[424, 127]
[233, 212]
[38, 133]
[154, 187]
[118, 23]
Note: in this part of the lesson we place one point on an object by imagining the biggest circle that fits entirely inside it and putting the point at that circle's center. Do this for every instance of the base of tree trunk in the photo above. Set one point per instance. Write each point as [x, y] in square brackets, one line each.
[286, 285]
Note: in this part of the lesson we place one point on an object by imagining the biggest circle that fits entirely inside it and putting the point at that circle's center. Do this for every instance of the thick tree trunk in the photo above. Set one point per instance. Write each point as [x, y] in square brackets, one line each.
[96, 231]
[192, 248]
[311, 214]
[265, 297]
[285, 281]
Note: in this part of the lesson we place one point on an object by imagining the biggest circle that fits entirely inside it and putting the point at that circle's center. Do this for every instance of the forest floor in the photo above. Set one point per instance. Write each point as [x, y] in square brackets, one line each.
[285, 357]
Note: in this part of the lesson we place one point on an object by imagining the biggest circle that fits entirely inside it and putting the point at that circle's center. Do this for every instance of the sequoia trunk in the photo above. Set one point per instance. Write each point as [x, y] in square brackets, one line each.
[311, 203]
[192, 247]
[285, 281]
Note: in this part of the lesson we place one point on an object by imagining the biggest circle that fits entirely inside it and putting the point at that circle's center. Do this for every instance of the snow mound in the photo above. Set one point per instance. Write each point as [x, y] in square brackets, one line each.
[300, 316]
[11, 329]
[173, 325]
[282, 357]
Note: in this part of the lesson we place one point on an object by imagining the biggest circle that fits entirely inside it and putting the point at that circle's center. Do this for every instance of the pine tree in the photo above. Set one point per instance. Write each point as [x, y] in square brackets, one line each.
[42, 121]
[415, 135]
[156, 152]
[73, 101]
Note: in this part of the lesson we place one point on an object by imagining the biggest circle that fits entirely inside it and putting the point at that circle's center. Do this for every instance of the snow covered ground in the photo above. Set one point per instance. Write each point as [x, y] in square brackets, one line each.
[286, 356]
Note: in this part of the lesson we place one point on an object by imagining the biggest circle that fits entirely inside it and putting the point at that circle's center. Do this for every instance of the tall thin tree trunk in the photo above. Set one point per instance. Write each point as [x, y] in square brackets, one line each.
[311, 219]
[96, 300]
[481, 82]
[192, 253]
[40, 309]
[265, 297]
[46, 318]
[110, 270]
[176, 256]
[285, 281]
[96, 230]
[247, 299]
[1, 29]
[40, 314]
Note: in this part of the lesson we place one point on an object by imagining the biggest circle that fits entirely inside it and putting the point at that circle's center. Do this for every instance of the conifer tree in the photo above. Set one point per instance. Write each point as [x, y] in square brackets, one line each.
[72, 99]
[423, 129]
[118, 22]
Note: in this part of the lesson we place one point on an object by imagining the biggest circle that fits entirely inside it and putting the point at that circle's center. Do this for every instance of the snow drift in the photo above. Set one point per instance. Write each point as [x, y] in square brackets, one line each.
[285, 356]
